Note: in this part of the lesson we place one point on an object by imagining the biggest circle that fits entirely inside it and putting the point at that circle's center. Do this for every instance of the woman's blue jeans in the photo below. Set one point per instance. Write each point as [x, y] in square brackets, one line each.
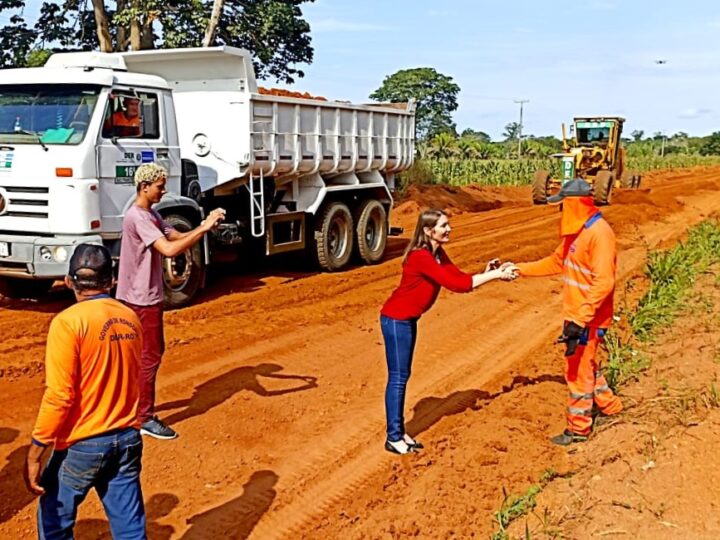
[399, 346]
[111, 464]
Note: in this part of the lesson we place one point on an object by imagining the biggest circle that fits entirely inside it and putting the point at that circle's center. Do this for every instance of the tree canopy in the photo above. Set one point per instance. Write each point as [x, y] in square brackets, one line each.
[274, 31]
[435, 94]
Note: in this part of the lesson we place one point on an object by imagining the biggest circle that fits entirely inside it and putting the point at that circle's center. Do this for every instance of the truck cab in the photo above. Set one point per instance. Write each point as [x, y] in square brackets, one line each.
[71, 136]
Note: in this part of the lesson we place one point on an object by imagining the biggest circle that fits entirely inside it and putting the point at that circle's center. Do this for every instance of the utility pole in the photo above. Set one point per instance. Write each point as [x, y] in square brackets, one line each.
[520, 126]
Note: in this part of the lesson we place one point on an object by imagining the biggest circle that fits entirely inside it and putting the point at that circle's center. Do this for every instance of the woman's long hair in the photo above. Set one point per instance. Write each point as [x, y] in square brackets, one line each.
[420, 240]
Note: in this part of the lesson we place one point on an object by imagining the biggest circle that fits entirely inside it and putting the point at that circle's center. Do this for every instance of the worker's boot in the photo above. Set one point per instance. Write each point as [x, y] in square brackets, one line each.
[567, 438]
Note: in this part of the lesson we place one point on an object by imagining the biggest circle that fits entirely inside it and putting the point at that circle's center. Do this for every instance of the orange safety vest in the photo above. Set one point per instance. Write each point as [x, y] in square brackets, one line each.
[587, 261]
[126, 127]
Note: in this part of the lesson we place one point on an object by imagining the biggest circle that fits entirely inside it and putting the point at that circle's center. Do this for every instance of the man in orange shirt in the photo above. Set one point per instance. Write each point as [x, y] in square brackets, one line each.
[126, 122]
[586, 258]
[88, 413]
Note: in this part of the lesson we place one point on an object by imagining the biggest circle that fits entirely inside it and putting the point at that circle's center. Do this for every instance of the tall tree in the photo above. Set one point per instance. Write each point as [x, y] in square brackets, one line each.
[435, 94]
[274, 31]
[213, 23]
[477, 135]
[16, 38]
[711, 146]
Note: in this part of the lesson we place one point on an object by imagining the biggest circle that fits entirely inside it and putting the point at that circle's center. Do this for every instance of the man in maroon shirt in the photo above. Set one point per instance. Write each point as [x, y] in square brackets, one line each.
[426, 268]
[146, 239]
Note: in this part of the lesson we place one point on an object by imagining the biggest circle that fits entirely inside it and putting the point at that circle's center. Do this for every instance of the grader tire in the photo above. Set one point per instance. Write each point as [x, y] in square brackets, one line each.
[630, 180]
[602, 187]
[541, 187]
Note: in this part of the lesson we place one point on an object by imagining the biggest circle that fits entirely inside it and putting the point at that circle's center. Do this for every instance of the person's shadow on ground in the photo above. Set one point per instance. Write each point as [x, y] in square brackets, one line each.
[157, 507]
[431, 410]
[15, 496]
[218, 390]
[237, 518]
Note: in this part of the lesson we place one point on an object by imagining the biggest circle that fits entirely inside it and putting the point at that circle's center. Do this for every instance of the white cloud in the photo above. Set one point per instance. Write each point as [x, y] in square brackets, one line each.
[695, 113]
[334, 25]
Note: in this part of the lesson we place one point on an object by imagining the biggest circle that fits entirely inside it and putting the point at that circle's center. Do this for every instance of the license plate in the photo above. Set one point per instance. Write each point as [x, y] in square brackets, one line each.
[4, 249]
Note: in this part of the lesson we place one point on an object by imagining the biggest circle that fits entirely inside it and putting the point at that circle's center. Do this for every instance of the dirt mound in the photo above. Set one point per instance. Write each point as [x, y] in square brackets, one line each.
[455, 200]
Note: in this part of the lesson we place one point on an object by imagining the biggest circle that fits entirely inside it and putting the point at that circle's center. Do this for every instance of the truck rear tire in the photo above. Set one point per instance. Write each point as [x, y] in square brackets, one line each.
[541, 187]
[602, 187]
[24, 288]
[334, 237]
[184, 274]
[371, 230]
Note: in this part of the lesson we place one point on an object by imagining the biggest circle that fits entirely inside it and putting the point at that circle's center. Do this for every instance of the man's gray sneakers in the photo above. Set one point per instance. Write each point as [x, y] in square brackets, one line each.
[158, 429]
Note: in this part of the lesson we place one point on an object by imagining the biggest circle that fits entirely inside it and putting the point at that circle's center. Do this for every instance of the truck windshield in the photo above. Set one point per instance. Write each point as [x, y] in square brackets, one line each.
[37, 113]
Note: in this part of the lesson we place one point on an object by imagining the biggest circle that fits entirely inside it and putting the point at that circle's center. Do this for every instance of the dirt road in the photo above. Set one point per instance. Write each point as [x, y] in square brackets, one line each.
[275, 380]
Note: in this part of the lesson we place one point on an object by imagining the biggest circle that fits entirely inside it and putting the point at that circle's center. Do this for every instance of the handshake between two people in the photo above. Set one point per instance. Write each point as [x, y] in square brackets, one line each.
[506, 271]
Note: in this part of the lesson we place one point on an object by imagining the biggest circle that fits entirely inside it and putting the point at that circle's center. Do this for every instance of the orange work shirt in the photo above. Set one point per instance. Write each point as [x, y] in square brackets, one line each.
[92, 366]
[587, 261]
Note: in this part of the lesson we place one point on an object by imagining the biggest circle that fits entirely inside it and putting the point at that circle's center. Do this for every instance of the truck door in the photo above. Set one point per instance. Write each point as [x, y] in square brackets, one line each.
[134, 132]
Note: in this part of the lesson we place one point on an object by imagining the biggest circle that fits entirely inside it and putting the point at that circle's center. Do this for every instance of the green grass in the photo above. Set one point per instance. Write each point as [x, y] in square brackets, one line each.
[514, 507]
[672, 274]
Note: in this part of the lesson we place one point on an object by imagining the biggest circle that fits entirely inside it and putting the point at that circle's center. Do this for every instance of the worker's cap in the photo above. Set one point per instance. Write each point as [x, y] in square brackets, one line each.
[149, 173]
[91, 267]
[572, 188]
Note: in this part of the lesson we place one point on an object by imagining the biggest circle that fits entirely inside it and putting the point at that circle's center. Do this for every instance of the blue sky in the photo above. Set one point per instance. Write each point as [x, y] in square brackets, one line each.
[569, 59]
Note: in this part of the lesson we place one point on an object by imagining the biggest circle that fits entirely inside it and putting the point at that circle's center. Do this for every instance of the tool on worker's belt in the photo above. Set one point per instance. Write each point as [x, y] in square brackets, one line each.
[572, 335]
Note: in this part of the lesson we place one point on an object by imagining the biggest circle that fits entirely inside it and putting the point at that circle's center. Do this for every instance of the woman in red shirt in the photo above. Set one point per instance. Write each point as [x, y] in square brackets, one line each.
[426, 268]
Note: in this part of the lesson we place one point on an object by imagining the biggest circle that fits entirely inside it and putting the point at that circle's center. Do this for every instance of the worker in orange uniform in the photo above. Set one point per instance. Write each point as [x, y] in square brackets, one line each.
[88, 415]
[586, 258]
[126, 122]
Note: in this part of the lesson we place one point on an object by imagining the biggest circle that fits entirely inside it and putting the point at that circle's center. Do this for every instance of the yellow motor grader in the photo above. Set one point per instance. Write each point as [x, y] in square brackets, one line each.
[595, 154]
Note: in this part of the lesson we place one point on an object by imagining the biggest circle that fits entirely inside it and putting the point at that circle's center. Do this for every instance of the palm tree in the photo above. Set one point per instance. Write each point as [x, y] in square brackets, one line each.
[468, 147]
[443, 146]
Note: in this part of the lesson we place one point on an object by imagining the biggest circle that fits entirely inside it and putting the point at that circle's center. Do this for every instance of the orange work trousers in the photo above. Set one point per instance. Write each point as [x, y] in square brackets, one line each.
[587, 385]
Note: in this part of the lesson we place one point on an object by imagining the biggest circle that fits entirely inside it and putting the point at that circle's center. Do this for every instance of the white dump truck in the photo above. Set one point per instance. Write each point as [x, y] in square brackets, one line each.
[294, 174]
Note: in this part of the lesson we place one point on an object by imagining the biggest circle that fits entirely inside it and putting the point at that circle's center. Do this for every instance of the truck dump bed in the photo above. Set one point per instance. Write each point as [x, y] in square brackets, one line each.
[234, 131]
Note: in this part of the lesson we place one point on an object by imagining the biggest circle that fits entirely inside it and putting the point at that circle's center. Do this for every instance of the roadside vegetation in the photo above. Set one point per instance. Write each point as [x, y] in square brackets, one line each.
[472, 158]
[672, 274]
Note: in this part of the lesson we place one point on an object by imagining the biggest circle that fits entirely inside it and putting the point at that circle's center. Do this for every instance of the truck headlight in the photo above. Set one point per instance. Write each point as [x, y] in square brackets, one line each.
[45, 254]
[60, 254]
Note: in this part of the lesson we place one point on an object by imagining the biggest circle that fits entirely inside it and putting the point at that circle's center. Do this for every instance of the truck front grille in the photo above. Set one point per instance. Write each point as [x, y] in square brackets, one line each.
[27, 201]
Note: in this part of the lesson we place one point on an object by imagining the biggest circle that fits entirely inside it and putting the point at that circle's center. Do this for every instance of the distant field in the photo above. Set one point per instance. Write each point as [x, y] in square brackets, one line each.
[513, 173]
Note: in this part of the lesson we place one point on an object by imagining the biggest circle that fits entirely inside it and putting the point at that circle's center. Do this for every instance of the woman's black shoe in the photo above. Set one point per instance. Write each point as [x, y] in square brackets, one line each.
[399, 447]
[417, 445]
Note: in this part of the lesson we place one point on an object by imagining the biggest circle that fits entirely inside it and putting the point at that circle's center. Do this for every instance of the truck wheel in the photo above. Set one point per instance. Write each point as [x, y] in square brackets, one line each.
[24, 288]
[541, 187]
[334, 237]
[371, 229]
[602, 186]
[183, 275]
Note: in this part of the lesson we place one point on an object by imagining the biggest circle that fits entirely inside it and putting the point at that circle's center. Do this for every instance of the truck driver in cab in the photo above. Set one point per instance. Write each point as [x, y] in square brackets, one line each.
[125, 120]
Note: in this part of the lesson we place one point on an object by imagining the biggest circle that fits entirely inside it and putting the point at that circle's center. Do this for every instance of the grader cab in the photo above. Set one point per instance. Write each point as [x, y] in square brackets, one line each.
[595, 154]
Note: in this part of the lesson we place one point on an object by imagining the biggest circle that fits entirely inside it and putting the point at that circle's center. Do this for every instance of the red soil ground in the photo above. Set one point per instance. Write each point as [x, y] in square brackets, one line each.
[274, 381]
